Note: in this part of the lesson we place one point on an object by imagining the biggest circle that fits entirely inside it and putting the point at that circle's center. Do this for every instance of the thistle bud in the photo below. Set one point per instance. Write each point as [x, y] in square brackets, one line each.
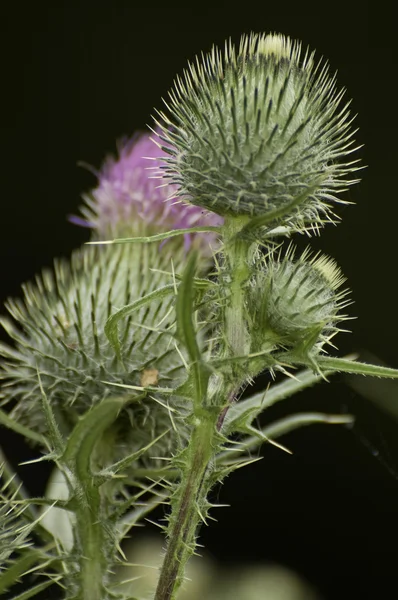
[298, 301]
[258, 130]
[58, 333]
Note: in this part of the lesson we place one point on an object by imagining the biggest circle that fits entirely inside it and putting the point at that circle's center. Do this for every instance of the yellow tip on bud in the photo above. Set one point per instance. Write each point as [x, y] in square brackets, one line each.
[276, 44]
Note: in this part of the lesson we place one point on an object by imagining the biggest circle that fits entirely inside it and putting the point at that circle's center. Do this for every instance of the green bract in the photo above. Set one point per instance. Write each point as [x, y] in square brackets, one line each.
[259, 130]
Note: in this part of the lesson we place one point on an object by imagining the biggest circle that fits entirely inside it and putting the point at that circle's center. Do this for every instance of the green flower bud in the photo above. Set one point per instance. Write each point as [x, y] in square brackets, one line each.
[259, 131]
[58, 332]
[297, 303]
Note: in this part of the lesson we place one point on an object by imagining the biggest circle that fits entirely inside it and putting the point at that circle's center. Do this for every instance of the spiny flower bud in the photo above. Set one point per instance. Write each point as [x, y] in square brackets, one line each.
[297, 301]
[258, 130]
[58, 333]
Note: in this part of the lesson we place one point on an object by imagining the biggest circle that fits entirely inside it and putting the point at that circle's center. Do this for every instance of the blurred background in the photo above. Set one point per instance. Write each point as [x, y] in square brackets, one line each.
[78, 76]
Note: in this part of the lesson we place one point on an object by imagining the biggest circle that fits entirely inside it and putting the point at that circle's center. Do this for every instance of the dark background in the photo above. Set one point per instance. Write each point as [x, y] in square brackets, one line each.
[77, 77]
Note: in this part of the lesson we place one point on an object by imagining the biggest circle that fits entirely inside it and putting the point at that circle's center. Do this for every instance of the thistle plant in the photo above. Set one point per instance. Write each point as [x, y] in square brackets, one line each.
[129, 360]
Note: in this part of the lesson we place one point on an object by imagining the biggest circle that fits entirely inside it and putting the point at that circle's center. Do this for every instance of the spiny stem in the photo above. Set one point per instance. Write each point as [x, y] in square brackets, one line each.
[93, 543]
[93, 562]
[237, 252]
[186, 514]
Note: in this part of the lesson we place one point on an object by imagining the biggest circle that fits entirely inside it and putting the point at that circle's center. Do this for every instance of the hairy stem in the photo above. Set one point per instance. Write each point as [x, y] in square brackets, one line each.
[238, 253]
[93, 543]
[188, 502]
[92, 560]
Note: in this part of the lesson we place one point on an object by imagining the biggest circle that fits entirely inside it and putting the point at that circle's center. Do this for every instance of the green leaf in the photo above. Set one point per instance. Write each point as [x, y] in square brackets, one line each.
[344, 365]
[281, 427]
[41, 501]
[246, 410]
[159, 237]
[122, 464]
[33, 591]
[293, 422]
[51, 422]
[111, 327]
[15, 485]
[186, 332]
[275, 214]
[224, 469]
[19, 567]
[86, 434]
[382, 392]
[254, 363]
[136, 516]
[22, 430]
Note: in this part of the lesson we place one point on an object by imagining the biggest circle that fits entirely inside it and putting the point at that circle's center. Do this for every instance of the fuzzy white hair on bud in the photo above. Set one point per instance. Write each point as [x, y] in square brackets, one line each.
[276, 44]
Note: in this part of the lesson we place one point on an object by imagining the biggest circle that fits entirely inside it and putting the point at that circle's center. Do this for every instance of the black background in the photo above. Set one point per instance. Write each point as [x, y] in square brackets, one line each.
[78, 76]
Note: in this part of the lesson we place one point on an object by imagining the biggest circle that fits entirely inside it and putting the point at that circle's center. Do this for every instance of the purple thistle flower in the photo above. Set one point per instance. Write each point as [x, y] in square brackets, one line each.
[131, 199]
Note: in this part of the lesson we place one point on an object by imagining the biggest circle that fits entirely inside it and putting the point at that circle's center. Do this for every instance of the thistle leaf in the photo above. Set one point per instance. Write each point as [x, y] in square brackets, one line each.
[19, 567]
[34, 590]
[86, 434]
[111, 327]
[121, 465]
[343, 365]
[53, 431]
[245, 411]
[187, 334]
[27, 433]
[281, 427]
[159, 237]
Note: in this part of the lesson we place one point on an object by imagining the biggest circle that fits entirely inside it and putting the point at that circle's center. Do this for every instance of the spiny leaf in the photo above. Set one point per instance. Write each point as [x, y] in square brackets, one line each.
[22, 430]
[121, 465]
[275, 214]
[187, 334]
[160, 236]
[132, 518]
[246, 410]
[220, 473]
[264, 438]
[111, 327]
[254, 363]
[15, 487]
[55, 435]
[19, 567]
[34, 590]
[344, 365]
[281, 427]
[86, 434]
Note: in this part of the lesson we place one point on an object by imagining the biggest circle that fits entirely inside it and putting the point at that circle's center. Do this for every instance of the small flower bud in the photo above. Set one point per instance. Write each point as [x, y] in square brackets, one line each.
[258, 130]
[297, 301]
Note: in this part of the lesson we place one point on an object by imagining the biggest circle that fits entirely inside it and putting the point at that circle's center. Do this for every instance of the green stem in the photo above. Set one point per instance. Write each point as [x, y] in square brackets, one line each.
[186, 514]
[236, 250]
[93, 544]
[92, 558]
[87, 451]
[189, 502]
